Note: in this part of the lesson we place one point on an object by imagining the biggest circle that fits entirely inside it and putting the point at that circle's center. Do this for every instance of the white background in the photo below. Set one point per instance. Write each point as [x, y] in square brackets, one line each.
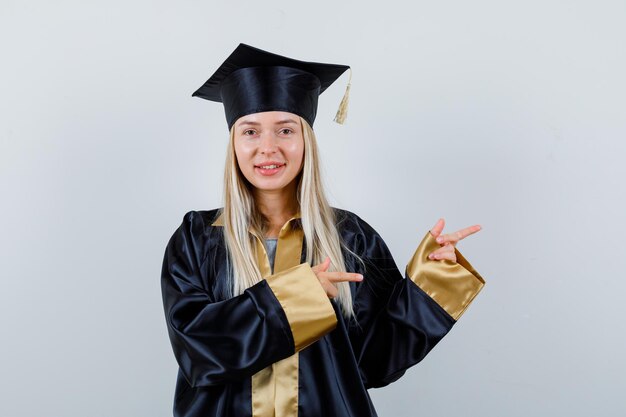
[506, 114]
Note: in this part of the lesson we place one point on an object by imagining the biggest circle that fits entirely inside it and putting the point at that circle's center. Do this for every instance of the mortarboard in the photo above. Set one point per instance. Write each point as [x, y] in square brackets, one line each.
[252, 80]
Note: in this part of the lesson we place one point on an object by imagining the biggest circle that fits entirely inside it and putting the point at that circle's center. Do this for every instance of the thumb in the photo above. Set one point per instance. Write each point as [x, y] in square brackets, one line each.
[323, 266]
[326, 264]
[438, 227]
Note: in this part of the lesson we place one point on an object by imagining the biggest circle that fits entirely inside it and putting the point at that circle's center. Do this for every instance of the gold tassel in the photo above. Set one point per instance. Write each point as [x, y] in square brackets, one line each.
[342, 111]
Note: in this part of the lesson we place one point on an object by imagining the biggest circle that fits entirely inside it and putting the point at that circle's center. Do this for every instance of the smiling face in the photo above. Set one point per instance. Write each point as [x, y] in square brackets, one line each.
[270, 149]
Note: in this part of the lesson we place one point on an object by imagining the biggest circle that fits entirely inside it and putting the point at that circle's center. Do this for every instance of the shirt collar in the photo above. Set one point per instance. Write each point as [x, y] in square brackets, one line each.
[220, 219]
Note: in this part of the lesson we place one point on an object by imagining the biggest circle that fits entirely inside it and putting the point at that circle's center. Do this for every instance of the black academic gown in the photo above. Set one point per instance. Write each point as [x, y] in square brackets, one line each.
[282, 348]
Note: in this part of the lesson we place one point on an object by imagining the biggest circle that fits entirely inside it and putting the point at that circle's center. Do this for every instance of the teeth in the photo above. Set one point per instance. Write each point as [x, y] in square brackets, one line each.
[268, 166]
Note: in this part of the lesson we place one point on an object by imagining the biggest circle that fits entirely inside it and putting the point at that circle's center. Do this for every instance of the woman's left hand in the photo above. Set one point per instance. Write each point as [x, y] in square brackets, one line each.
[448, 241]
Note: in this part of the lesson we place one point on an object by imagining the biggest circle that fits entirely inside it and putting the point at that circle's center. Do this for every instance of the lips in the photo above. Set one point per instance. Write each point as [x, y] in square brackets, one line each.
[269, 164]
[269, 168]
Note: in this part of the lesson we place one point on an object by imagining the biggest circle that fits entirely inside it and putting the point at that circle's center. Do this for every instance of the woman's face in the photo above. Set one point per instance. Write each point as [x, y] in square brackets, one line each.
[270, 148]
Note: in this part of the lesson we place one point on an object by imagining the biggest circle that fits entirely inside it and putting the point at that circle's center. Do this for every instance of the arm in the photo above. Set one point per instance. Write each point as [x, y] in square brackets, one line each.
[217, 342]
[401, 319]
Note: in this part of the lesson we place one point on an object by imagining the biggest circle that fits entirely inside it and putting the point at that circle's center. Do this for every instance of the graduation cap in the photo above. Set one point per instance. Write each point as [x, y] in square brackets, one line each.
[252, 80]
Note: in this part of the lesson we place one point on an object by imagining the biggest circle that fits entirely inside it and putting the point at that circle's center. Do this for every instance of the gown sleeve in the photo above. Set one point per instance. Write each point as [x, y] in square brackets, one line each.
[217, 342]
[400, 319]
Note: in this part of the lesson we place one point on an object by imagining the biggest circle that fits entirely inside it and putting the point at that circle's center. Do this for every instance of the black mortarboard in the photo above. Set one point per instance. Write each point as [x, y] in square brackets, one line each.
[252, 80]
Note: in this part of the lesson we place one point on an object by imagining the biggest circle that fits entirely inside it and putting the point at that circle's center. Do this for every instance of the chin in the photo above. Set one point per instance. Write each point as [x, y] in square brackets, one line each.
[269, 187]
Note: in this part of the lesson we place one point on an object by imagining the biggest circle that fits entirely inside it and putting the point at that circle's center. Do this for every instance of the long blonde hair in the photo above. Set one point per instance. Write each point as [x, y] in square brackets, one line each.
[317, 221]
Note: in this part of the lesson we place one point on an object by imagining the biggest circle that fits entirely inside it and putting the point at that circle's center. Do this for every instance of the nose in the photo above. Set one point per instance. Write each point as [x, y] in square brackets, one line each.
[268, 143]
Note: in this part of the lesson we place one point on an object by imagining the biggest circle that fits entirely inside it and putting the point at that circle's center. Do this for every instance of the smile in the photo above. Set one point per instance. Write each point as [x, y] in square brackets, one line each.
[269, 169]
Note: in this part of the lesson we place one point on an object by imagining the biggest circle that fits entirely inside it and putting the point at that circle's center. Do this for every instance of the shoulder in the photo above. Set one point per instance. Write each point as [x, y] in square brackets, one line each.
[356, 234]
[364, 242]
[347, 221]
[195, 234]
[201, 218]
[196, 225]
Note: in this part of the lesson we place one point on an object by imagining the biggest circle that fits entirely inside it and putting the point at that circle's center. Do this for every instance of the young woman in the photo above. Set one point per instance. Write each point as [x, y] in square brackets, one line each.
[278, 304]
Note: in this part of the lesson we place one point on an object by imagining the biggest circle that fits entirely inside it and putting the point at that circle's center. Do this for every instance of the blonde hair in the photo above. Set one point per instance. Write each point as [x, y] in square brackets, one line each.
[317, 221]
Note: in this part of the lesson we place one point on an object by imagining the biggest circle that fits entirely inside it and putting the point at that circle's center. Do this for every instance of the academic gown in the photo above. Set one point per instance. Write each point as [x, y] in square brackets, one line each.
[283, 348]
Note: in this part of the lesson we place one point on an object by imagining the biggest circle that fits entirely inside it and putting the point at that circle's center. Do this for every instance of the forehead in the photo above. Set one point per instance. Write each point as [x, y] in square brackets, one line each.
[268, 118]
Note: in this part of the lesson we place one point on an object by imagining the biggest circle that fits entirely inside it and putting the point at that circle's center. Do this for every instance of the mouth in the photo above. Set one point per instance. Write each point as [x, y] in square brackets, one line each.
[270, 168]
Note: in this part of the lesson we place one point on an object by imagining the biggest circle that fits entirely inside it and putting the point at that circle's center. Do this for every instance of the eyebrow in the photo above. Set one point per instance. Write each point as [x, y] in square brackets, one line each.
[280, 122]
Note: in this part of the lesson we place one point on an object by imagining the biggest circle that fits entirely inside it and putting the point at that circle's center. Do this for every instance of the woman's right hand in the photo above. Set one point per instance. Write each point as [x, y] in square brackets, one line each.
[328, 279]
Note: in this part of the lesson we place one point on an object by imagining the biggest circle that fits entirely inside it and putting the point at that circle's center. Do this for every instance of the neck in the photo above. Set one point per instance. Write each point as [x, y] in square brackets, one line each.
[277, 206]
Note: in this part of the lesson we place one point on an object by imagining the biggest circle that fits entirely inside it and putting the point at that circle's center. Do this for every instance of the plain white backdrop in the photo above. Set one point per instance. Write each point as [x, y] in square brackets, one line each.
[506, 114]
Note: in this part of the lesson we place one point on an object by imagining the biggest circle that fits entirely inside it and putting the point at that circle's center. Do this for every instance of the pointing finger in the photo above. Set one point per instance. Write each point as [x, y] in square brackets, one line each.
[342, 276]
[459, 234]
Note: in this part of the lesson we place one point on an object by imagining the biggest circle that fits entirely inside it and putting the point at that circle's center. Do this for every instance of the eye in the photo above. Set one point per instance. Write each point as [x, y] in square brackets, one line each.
[286, 131]
[249, 132]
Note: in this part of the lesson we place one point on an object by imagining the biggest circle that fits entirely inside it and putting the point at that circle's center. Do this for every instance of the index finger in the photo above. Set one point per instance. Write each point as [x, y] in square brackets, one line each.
[463, 233]
[342, 276]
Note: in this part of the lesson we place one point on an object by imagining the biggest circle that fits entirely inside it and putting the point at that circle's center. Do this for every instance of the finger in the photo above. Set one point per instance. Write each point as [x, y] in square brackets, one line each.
[450, 256]
[471, 230]
[331, 291]
[326, 264]
[438, 227]
[341, 276]
[323, 267]
[330, 288]
[459, 234]
[441, 251]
